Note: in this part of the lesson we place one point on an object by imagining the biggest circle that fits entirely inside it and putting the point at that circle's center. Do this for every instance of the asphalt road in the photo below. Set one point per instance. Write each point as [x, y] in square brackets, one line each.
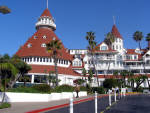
[132, 104]
[84, 107]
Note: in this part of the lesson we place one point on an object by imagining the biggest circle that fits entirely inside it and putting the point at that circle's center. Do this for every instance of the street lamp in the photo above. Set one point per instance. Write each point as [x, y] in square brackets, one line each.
[4, 10]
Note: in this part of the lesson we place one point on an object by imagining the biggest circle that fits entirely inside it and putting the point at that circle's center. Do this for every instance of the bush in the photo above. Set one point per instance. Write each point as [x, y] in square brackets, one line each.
[23, 90]
[5, 105]
[83, 88]
[99, 90]
[109, 83]
[42, 88]
[64, 88]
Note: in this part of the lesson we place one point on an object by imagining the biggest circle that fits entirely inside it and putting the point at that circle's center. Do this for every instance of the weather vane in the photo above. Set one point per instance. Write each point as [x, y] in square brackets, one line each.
[114, 20]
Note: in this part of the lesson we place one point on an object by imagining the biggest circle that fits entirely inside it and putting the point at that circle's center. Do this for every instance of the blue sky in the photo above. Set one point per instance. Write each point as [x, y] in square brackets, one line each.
[73, 19]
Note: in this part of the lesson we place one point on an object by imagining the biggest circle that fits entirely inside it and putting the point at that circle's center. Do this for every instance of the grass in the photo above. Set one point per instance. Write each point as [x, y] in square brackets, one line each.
[5, 105]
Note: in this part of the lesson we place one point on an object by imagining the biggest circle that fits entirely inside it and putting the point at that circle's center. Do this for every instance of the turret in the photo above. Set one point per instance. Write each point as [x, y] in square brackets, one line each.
[46, 21]
[118, 42]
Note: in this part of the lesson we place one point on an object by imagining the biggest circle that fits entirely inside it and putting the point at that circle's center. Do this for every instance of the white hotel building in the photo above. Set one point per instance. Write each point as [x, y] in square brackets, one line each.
[71, 62]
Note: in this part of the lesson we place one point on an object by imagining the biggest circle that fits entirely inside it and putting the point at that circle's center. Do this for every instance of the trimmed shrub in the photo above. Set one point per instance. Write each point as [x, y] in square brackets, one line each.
[42, 88]
[83, 88]
[64, 88]
[109, 83]
[5, 105]
[99, 90]
[23, 90]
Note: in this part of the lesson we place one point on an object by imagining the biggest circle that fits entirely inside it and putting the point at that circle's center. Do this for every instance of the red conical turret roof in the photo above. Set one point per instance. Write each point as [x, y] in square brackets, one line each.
[46, 13]
[116, 32]
[37, 50]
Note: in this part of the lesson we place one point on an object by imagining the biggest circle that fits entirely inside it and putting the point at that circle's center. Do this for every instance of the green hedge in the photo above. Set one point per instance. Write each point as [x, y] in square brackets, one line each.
[63, 88]
[99, 90]
[5, 105]
[42, 88]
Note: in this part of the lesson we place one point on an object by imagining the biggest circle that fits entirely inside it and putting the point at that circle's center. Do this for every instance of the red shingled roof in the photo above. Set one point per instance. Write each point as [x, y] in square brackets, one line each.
[37, 50]
[46, 69]
[116, 32]
[46, 13]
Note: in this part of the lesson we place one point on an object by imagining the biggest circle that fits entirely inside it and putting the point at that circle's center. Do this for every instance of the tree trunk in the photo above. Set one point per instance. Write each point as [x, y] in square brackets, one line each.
[4, 90]
[139, 45]
[95, 68]
[56, 70]
[13, 82]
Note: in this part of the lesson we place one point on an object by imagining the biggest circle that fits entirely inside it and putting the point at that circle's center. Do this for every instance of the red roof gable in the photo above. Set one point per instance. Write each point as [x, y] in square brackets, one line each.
[116, 32]
[37, 50]
[46, 13]
[46, 69]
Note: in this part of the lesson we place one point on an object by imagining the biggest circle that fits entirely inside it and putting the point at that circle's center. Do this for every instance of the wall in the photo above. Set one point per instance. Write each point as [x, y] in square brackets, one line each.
[35, 97]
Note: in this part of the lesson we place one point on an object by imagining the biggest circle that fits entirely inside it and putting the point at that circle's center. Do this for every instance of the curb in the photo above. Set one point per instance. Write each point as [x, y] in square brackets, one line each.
[64, 105]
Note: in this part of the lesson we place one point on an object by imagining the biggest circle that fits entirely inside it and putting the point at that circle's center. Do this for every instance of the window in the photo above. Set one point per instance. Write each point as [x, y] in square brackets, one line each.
[40, 59]
[44, 37]
[43, 45]
[35, 37]
[43, 59]
[54, 38]
[116, 46]
[113, 47]
[135, 57]
[29, 45]
[103, 47]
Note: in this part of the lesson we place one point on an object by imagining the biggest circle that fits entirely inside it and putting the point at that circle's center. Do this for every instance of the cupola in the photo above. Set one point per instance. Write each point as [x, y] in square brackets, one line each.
[46, 21]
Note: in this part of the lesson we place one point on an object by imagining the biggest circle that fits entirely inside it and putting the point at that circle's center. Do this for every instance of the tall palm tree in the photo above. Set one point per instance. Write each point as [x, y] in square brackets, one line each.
[148, 40]
[4, 10]
[92, 44]
[54, 48]
[138, 36]
[109, 39]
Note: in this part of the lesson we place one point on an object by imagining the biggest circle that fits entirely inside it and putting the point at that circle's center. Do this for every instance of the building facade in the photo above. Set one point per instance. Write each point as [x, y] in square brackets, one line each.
[71, 62]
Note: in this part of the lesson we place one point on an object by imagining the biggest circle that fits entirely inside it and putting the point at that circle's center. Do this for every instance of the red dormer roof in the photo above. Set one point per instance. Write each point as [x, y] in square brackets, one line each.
[116, 32]
[46, 13]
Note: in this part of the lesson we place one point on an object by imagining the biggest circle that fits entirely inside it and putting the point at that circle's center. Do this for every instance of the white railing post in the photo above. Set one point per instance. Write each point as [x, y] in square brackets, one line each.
[109, 97]
[115, 94]
[95, 102]
[71, 105]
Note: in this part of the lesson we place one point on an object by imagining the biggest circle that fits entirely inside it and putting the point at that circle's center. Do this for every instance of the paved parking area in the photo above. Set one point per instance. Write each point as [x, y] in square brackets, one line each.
[132, 104]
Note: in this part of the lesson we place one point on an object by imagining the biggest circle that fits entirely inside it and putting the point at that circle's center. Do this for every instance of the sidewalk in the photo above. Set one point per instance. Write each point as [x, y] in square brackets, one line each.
[23, 107]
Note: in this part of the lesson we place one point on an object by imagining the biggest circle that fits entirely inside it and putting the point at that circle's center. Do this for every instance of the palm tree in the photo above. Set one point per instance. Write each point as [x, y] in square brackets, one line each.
[109, 39]
[4, 10]
[7, 72]
[90, 37]
[148, 40]
[138, 36]
[53, 48]
[90, 72]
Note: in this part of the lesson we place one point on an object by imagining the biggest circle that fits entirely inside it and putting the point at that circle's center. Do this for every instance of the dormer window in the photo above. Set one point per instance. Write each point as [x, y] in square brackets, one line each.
[29, 45]
[103, 47]
[44, 37]
[54, 38]
[35, 37]
[43, 45]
